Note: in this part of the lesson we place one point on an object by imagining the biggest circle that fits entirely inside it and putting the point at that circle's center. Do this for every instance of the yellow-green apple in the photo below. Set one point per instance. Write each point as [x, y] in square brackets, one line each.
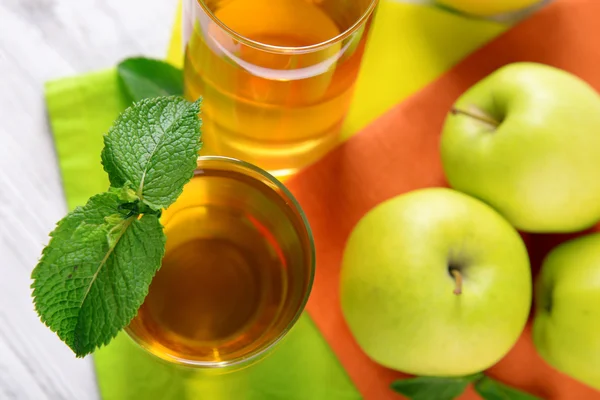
[526, 140]
[487, 8]
[435, 282]
[566, 329]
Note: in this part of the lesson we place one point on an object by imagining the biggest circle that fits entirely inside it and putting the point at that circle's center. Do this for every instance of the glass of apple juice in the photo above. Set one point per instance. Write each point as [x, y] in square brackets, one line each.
[237, 272]
[276, 76]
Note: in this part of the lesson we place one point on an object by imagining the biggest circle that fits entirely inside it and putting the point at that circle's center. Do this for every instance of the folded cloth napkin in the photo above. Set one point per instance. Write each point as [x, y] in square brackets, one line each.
[400, 152]
[303, 367]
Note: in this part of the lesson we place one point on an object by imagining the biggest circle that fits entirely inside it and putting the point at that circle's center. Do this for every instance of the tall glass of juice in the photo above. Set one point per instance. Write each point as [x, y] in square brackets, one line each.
[277, 76]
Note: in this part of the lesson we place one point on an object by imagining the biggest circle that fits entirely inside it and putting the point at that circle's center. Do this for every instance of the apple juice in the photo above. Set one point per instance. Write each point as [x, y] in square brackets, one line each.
[278, 109]
[237, 270]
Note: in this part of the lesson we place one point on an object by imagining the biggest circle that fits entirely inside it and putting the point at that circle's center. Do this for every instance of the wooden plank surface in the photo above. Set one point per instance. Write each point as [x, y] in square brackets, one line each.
[42, 40]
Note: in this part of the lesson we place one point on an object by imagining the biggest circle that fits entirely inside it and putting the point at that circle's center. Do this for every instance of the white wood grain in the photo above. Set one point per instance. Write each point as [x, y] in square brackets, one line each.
[42, 40]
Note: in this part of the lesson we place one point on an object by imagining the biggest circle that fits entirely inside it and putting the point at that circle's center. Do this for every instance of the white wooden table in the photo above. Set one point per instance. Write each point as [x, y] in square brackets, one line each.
[42, 40]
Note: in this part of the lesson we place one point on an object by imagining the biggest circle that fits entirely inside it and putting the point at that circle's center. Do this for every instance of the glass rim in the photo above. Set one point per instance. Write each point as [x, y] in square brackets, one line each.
[287, 49]
[248, 359]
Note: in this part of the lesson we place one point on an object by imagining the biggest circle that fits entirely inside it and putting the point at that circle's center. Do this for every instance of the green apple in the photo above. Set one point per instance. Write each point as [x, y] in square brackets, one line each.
[526, 140]
[435, 282]
[487, 8]
[566, 329]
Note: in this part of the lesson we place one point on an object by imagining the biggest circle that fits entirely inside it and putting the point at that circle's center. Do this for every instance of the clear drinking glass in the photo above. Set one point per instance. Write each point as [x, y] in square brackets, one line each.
[237, 272]
[277, 76]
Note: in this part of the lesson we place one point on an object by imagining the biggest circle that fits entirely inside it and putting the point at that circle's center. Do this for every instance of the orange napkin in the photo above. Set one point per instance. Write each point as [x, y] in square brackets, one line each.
[399, 153]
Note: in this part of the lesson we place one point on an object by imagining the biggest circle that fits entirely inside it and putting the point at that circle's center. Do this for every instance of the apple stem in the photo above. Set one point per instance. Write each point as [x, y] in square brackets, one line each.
[459, 281]
[480, 117]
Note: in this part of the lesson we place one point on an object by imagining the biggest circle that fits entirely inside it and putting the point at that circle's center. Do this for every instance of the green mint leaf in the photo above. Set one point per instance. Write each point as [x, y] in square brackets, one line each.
[153, 146]
[145, 78]
[95, 272]
[427, 388]
[490, 389]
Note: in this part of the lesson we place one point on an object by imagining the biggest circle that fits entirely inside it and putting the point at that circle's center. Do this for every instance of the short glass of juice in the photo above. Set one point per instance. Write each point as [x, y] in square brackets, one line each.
[276, 76]
[237, 272]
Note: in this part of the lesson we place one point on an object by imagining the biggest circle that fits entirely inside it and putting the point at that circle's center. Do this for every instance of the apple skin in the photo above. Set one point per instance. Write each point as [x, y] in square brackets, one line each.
[539, 168]
[397, 293]
[488, 8]
[566, 329]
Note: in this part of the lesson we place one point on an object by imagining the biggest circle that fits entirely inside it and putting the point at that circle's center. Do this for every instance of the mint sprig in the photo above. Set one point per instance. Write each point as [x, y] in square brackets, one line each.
[95, 272]
[450, 388]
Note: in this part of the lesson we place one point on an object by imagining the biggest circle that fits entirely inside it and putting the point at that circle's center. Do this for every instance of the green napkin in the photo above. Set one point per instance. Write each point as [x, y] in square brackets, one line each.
[303, 367]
